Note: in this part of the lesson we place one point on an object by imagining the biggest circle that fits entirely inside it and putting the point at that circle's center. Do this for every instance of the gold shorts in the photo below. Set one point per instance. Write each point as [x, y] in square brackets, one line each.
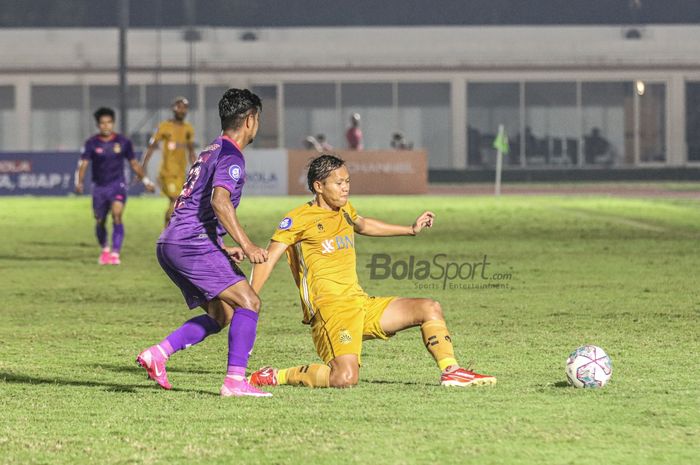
[171, 186]
[340, 327]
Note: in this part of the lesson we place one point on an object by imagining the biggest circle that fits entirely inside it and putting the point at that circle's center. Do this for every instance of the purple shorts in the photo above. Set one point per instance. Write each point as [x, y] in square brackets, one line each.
[104, 196]
[201, 271]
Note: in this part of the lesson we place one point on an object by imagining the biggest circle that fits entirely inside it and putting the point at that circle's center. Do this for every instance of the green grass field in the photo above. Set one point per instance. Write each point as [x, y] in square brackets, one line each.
[618, 273]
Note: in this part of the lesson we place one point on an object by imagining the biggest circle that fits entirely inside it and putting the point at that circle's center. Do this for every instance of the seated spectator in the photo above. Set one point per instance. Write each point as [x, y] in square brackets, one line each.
[398, 142]
[325, 146]
[310, 143]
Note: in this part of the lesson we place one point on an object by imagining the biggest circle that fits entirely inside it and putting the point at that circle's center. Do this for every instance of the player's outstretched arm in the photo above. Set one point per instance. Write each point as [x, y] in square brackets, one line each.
[226, 214]
[261, 272]
[136, 168]
[152, 146]
[80, 176]
[377, 228]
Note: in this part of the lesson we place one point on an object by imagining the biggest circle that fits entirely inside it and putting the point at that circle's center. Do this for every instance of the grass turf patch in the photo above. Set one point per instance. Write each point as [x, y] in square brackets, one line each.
[618, 273]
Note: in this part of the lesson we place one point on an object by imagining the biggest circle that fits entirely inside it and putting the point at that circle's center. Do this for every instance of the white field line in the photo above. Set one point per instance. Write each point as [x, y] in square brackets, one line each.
[612, 218]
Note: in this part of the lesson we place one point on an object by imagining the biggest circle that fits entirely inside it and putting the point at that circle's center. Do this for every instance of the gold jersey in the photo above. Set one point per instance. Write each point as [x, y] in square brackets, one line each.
[321, 255]
[175, 138]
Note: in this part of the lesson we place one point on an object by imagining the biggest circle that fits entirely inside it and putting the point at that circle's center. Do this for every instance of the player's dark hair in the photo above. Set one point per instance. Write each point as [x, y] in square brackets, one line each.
[235, 105]
[321, 167]
[103, 111]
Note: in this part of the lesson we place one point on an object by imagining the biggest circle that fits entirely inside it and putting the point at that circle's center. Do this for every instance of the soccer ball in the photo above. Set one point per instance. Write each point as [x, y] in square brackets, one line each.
[588, 367]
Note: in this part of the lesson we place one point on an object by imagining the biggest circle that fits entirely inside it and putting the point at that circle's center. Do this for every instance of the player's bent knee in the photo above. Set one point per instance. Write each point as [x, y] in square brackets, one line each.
[433, 310]
[252, 302]
[344, 378]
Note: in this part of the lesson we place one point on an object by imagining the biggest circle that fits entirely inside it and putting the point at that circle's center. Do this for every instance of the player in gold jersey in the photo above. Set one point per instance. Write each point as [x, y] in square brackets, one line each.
[177, 136]
[319, 240]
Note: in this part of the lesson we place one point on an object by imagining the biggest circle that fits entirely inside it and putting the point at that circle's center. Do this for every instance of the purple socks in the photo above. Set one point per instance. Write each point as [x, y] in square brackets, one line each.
[101, 233]
[117, 237]
[241, 337]
[190, 333]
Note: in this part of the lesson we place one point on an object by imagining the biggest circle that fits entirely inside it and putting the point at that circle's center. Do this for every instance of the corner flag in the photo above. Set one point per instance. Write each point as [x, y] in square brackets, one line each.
[500, 143]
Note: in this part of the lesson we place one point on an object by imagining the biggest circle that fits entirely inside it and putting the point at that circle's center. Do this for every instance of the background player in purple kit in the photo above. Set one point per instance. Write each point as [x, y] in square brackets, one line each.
[107, 150]
[192, 253]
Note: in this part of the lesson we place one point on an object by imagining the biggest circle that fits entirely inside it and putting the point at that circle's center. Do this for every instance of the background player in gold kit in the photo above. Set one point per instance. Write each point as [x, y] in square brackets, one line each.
[178, 146]
[319, 240]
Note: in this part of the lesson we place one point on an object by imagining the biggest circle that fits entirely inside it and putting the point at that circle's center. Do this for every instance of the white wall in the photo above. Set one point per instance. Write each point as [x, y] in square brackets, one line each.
[386, 48]
[456, 55]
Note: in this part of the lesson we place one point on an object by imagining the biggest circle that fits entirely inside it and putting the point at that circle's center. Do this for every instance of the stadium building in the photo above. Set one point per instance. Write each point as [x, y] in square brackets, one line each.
[577, 100]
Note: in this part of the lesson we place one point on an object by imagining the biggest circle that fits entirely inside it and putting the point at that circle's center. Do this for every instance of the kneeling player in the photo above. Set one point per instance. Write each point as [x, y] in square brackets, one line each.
[320, 244]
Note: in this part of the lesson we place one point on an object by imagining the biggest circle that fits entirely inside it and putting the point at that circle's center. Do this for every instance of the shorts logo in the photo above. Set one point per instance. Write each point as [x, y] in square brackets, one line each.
[286, 223]
[235, 172]
[345, 337]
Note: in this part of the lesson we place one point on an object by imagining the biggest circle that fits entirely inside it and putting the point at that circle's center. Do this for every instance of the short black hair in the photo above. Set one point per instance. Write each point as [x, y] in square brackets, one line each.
[321, 167]
[235, 105]
[103, 111]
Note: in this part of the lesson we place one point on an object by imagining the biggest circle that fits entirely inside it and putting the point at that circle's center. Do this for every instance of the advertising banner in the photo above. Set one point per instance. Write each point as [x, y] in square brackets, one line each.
[387, 172]
[37, 173]
[46, 173]
[266, 172]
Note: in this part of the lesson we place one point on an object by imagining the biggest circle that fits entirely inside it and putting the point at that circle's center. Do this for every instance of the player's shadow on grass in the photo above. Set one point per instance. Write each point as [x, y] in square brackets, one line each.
[59, 243]
[29, 258]
[136, 369]
[14, 378]
[386, 381]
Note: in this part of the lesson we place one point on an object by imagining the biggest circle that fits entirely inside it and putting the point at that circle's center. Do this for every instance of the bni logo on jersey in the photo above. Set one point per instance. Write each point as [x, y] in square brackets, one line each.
[235, 172]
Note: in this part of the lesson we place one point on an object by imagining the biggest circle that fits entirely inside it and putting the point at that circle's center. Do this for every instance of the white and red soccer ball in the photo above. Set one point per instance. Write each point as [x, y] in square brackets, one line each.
[588, 367]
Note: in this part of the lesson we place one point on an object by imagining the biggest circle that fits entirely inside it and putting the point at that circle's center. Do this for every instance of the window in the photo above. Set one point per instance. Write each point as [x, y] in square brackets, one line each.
[692, 120]
[425, 120]
[8, 119]
[212, 122]
[608, 123]
[269, 121]
[551, 121]
[652, 123]
[139, 130]
[309, 110]
[160, 96]
[58, 119]
[374, 103]
[489, 105]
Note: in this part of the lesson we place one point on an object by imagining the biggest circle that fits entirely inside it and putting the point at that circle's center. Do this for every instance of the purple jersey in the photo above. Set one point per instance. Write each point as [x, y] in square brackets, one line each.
[221, 164]
[107, 158]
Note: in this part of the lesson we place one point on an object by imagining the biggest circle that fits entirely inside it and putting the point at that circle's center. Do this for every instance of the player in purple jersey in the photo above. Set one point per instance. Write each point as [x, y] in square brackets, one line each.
[107, 150]
[192, 253]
